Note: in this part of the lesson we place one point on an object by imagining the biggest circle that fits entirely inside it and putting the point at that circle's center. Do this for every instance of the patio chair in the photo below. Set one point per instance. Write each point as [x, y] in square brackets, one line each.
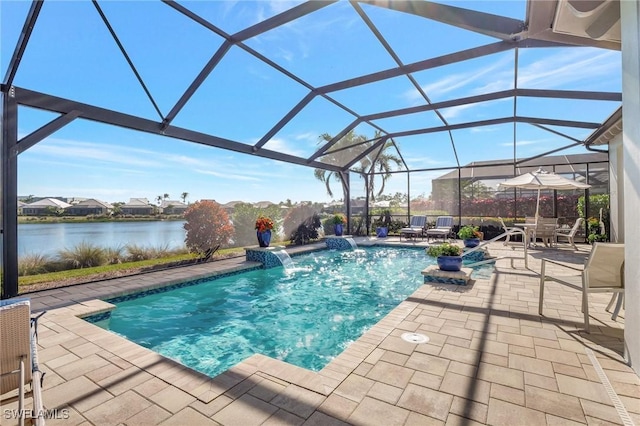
[417, 226]
[443, 228]
[545, 229]
[569, 234]
[506, 229]
[19, 356]
[603, 273]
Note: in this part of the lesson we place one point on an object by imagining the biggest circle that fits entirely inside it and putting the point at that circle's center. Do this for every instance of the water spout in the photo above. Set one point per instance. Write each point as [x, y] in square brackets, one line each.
[352, 242]
[284, 258]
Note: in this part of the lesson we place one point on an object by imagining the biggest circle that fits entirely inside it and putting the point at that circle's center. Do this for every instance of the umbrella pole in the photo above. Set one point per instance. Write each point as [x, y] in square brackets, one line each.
[537, 205]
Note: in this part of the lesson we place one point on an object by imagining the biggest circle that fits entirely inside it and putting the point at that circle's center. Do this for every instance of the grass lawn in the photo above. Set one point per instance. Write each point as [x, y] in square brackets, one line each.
[73, 276]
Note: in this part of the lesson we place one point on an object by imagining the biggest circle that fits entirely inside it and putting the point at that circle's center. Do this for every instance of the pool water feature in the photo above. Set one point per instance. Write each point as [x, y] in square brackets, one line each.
[305, 316]
[351, 242]
[284, 258]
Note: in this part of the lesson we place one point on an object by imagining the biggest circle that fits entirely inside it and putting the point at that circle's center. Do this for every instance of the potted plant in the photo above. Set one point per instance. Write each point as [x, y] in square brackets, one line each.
[338, 220]
[470, 235]
[382, 224]
[448, 256]
[264, 225]
[595, 231]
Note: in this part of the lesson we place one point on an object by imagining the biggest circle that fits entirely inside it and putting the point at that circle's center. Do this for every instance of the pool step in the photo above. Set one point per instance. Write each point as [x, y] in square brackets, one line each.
[434, 275]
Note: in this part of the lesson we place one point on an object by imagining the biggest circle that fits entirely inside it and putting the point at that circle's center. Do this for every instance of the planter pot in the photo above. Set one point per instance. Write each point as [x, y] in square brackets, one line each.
[450, 263]
[382, 231]
[337, 229]
[471, 242]
[264, 238]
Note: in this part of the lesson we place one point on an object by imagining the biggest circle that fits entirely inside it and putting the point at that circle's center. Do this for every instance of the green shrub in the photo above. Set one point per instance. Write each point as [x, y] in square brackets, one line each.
[114, 255]
[596, 202]
[84, 255]
[444, 249]
[32, 264]
[339, 219]
[468, 231]
[136, 253]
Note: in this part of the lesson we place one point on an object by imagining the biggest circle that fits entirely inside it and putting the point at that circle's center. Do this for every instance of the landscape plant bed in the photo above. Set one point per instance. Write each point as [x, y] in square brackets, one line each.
[31, 283]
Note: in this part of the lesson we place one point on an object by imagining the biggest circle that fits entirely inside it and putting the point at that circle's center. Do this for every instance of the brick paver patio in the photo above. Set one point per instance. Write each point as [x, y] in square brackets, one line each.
[491, 359]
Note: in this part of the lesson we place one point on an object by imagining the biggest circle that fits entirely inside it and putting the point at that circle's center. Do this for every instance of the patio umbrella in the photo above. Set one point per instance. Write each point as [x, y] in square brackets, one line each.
[542, 179]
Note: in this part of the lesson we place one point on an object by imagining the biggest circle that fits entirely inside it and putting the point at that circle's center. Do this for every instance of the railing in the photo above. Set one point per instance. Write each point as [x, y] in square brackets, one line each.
[512, 231]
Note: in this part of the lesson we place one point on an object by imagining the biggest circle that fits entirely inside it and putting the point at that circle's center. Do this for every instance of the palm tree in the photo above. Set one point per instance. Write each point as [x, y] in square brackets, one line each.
[165, 196]
[350, 146]
[159, 199]
[184, 197]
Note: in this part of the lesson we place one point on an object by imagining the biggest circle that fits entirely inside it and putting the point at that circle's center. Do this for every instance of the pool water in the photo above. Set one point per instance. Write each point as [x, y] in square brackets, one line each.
[305, 315]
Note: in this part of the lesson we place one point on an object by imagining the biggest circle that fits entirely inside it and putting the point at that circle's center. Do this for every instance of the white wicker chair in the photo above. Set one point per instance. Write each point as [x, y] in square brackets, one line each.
[19, 356]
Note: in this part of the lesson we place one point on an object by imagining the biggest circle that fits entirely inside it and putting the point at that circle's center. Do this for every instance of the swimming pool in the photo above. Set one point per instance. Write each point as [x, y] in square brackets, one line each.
[304, 316]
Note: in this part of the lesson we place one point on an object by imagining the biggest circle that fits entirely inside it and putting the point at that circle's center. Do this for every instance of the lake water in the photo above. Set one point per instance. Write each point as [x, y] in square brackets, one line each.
[49, 238]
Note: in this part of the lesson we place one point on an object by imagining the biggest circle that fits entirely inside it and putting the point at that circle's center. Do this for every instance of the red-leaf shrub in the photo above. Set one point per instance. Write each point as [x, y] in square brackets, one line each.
[207, 226]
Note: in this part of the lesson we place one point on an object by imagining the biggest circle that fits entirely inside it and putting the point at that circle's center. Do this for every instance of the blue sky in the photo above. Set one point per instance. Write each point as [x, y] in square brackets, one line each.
[72, 55]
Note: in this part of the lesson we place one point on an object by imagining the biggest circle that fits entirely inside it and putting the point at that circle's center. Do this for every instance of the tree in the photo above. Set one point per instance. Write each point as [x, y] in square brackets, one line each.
[159, 199]
[350, 146]
[117, 208]
[184, 197]
[165, 196]
[207, 225]
[475, 189]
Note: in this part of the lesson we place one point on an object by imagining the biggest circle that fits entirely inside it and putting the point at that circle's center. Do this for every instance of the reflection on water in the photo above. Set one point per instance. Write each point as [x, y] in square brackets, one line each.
[49, 238]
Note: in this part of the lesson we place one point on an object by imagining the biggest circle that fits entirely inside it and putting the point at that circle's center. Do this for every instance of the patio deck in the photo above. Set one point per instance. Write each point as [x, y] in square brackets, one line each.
[491, 359]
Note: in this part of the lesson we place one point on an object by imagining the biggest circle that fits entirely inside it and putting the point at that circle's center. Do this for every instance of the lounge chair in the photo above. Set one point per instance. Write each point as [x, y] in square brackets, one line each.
[19, 356]
[603, 273]
[443, 228]
[569, 234]
[416, 227]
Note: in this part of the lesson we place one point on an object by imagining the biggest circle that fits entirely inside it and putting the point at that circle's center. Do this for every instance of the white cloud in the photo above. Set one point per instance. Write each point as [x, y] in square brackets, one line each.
[280, 145]
[416, 162]
[73, 151]
[520, 143]
[84, 166]
[226, 175]
[279, 6]
[453, 112]
[497, 74]
[569, 67]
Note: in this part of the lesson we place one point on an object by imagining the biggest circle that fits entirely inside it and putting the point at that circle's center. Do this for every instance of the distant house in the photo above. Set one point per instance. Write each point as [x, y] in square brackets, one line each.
[139, 206]
[75, 200]
[90, 206]
[20, 206]
[44, 206]
[173, 207]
